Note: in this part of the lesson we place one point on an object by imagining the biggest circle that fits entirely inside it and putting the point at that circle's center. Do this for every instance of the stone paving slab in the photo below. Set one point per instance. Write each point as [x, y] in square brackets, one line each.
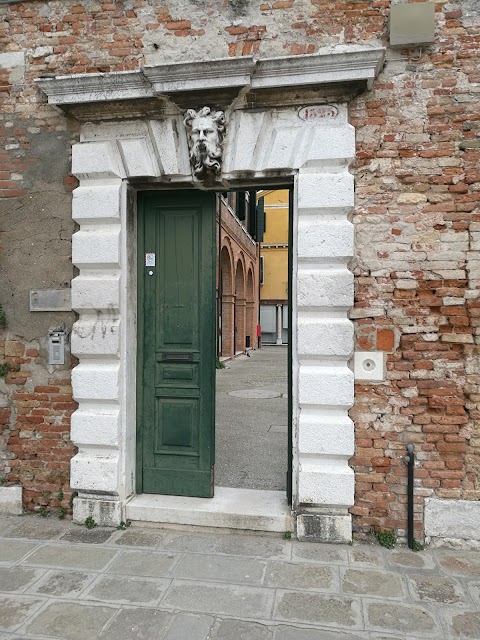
[13, 550]
[383, 636]
[372, 583]
[143, 563]
[62, 584]
[324, 553]
[300, 606]
[17, 578]
[87, 536]
[149, 584]
[14, 610]
[71, 621]
[78, 557]
[221, 569]
[461, 563]
[241, 630]
[405, 559]
[36, 528]
[464, 625]
[368, 557]
[294, 633]
[229, 544]
[474, 590]
[127, 590]
[428, 588]
[405, 618]
[133, 624]
[192, 626]
[289, 575]
[140, 538]
[227, 600]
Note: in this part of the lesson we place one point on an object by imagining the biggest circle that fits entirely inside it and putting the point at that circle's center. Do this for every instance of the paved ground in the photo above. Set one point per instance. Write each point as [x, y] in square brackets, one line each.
[59, 580]
[251, 433]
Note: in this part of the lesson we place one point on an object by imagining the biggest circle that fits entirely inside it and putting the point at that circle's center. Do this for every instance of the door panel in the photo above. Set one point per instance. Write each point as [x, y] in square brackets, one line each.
[176, 344]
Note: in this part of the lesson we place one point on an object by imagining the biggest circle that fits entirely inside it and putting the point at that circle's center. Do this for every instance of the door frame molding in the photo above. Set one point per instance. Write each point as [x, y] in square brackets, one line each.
[145, 147]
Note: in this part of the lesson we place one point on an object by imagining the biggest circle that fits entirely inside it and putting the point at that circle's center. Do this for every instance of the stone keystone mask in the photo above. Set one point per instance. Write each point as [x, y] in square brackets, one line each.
[205, 129]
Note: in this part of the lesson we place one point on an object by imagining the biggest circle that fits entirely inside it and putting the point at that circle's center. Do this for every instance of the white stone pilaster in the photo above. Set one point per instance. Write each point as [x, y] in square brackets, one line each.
[324, 344]
[96, 336]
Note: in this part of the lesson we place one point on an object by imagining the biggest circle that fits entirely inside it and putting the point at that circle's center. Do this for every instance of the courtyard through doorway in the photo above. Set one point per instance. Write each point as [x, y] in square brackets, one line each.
[253, 418]
[251, 421]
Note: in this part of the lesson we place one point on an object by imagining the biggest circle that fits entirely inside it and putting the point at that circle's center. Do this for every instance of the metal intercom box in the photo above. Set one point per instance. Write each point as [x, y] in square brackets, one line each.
[412, 24]
[56, 347]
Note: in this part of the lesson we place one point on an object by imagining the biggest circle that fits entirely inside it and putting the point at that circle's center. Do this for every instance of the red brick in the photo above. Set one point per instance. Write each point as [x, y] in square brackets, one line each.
[178, 24]
[385, 339]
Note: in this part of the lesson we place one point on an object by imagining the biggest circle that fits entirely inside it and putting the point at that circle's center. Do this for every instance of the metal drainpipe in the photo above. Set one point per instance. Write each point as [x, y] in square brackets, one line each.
[410, 478]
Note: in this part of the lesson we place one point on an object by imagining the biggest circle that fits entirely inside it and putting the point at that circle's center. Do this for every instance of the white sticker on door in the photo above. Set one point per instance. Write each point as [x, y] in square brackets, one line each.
[149, 259]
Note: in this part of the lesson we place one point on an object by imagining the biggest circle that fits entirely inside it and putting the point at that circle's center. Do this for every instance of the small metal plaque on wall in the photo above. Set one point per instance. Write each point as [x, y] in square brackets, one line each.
[50, 299]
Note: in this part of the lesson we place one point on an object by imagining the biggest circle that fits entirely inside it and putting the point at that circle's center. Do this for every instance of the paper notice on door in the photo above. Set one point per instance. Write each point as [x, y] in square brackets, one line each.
[149, 259]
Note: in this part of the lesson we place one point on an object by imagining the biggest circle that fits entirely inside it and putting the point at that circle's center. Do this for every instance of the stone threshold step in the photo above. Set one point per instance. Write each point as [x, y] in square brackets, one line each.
[247, 509]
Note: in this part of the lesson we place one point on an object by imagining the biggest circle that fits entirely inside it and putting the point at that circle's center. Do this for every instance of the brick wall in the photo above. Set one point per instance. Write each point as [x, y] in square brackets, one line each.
[35, 447]
[417, 295]
[417, 175]
[239, 290]
[35, 252]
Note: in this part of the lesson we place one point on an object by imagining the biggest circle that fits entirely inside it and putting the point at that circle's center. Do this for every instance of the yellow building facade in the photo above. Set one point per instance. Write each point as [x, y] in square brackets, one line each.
[274, 267]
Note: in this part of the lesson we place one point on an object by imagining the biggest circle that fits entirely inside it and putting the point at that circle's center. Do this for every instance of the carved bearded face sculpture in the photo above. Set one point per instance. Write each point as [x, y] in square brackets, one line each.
[205, 130]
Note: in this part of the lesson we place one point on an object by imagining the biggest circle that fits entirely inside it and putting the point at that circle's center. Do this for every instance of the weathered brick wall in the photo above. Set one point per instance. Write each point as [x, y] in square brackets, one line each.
[35, 447]
[417, 268]
[239, 292]
[35, 399]
[35, 252]
[417, 185]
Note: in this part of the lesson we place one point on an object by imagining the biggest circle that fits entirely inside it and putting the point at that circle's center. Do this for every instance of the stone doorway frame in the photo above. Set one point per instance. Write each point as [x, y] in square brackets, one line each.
[132, 137]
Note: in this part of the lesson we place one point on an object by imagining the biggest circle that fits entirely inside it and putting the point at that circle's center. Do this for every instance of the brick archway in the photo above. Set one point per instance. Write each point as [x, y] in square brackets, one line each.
[228, 303]
[240, 307]
[251, 322]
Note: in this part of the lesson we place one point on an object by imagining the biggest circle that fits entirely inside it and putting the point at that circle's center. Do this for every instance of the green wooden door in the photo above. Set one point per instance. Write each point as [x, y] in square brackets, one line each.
[176, 343]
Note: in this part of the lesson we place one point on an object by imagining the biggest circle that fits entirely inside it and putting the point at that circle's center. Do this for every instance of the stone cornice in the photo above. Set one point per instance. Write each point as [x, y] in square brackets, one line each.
[347, 64]
[222, 73]
[95, 87]
[340, 66]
